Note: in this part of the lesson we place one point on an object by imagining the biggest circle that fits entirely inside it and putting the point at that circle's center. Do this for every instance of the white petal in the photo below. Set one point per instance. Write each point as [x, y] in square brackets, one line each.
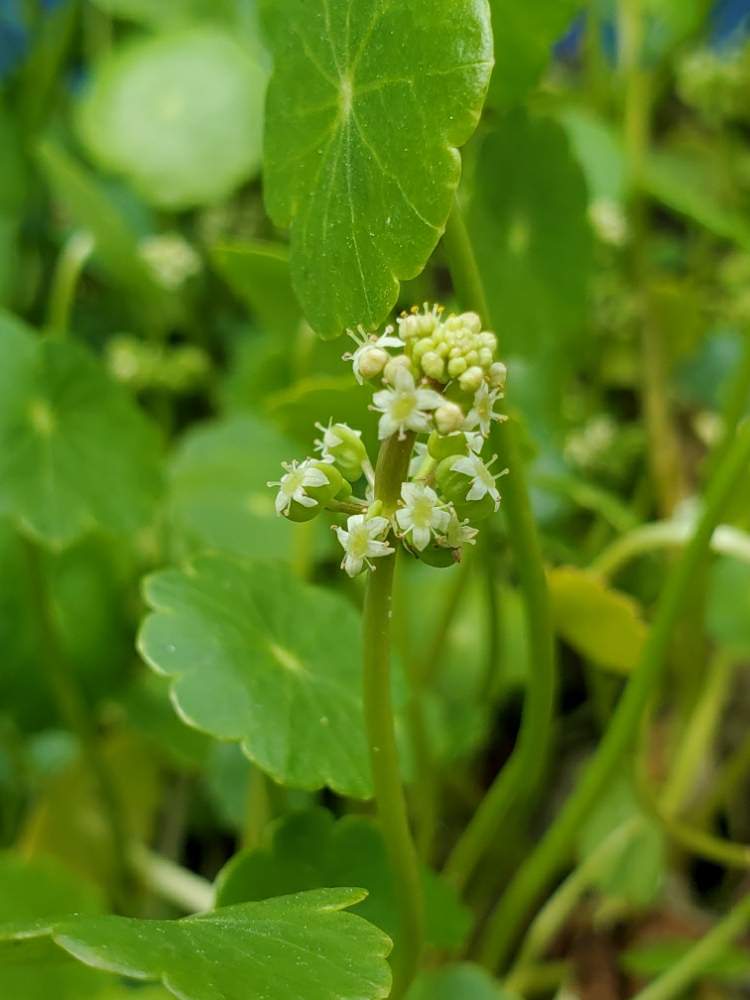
[477, 491]
[410, 492]
[464, 464]
[352, 566]
[428, 399]
[381, 400]
[387, 426]
[404, 518]
[315, 477]
[376, 525]
[421, 538]
[282, 502]
[379, 549]
[303, 499]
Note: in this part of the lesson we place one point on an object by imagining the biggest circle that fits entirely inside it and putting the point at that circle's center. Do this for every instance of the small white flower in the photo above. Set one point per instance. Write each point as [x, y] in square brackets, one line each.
[334, 435]
[474, 440]
[362, 542]
[370, 351]
[482, 411]
[482, 480]
[292, 486]
[458, 533]
[405, 407]
[422, 514]
[417, 458]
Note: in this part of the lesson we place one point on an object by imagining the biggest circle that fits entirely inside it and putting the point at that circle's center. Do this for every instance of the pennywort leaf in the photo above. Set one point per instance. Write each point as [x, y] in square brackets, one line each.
[258, 657]
[366, 108]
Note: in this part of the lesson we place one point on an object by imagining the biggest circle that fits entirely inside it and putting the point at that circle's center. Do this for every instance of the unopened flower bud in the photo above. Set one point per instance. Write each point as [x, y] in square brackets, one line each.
[449, 418]
[332, 488]
[400, 361]
[498, 374]
[433, 365]
[344, 446]
[372, 361]
[471, 379]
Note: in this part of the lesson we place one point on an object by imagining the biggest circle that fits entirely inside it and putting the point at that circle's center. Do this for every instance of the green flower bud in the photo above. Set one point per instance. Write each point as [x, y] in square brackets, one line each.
[400, 361]
[449, 418]
[440, 556]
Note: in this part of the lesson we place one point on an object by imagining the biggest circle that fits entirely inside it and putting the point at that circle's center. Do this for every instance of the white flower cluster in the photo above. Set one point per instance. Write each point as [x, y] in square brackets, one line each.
[438, 378]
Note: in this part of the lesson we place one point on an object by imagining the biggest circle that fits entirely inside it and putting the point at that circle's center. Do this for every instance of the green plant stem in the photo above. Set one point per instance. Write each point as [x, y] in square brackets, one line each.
[732, 773]
[522, 774]
[391, 471]
[72, 259]
[170, 881]
[75, 713]
[553, 915]
[553, 851]
[687, 969]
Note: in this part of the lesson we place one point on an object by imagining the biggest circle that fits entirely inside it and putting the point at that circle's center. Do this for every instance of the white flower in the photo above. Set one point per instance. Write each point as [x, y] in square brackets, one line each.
[482, 412]
[292, 485]
[362, 541]
[404, 407]
[370, 357]
[458, 533]
[421, 514]
[474, 440]
[417, 458]
[482, 480]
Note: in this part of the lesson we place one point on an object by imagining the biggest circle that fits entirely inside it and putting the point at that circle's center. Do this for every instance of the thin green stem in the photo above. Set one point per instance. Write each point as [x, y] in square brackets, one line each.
[170, 881]
[391, 471]
[72, 259]
[553, 851]
[686, 970]
[521, 776]
[735, 405]
[75, 713]
[732, 774]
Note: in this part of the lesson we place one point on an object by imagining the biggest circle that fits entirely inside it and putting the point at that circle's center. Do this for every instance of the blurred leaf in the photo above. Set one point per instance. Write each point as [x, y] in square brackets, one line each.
[82, 198]
[218, 498]
[165, 15]
[599, 151]
[636, 872]
[150, 713]
[524, 37]
[728, 605]
[258, 272]
[366, 107]
[66, 821]
[602, 624]
[686, 181]
[41, 890]
[276, 949]
[179, 114]
[311, 850]
[458, 982]
[75, 453]
[650, 960]
[259, 657]
[533, 241]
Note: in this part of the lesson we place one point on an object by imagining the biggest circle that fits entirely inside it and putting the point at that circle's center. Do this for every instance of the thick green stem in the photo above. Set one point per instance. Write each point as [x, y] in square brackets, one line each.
[393, 463]
[523, 773]
[553, 851]
[691, 966]
[74, 712]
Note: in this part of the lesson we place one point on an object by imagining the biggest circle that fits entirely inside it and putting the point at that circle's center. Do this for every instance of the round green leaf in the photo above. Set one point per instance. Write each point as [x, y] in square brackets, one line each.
[75, 453]
[295, 946]
[179, 114]
[311, 850]
[366, 108]
[259, 657]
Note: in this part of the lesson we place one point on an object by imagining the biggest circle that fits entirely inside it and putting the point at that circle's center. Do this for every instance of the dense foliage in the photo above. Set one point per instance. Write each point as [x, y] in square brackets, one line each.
[411, 663]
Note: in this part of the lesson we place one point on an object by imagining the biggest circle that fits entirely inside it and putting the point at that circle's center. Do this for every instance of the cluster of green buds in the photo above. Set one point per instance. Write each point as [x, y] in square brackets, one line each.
[437, 382]
[144, 366]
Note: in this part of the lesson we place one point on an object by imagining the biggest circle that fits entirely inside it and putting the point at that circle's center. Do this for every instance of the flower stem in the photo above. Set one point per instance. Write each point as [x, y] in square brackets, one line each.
[391, 471]
[72, 259]
[523, 773]
[553, 850]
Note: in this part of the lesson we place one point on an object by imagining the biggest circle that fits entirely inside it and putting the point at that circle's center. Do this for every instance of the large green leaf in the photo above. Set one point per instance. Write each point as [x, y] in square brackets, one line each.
[179, 114]
[299, 947]
[366, 107]
[310, 850]
[75, 453]
[259, 657]
[524, 36]
[258, 272]
[529, 220]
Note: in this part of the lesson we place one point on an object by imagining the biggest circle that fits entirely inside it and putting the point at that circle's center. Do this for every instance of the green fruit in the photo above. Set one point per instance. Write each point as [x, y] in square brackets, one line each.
[440, 556]
[454, 486]
[444, 445]
[335, 483]
[298, 513]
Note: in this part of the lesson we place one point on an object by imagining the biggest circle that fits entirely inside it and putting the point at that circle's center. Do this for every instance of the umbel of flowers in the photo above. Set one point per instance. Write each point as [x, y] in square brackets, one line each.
[437, 382]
